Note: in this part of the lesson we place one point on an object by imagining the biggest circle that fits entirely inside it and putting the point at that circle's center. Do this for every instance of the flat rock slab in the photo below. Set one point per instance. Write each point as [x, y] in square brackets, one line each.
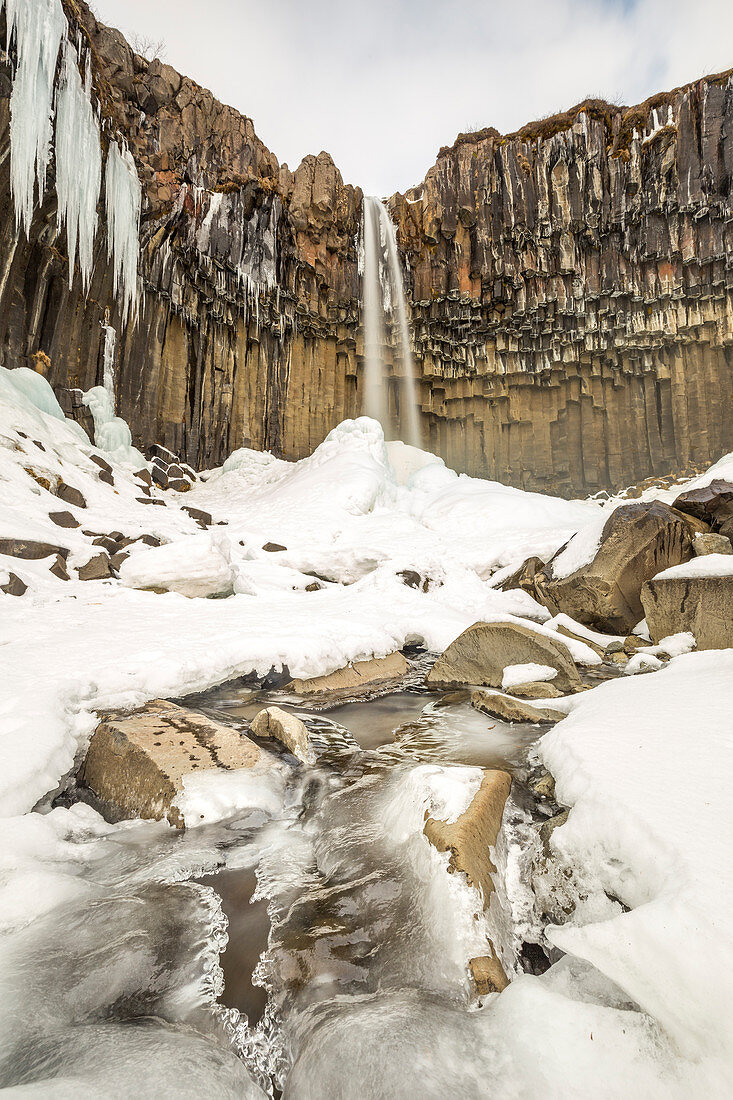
[361, 675]
[468, 840]
[509, 709]
[286, 728]
[480, 654]
[136, 763]
[701, 605]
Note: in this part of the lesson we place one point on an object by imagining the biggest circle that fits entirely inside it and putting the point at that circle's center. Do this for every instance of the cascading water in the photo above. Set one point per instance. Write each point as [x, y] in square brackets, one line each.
[385, 307]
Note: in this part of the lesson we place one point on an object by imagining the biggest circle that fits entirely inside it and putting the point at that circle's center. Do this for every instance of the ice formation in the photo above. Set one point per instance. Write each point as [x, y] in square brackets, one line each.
[78, 163]
[37, 29]
[108, 375]
[111, 433]
[123, 195]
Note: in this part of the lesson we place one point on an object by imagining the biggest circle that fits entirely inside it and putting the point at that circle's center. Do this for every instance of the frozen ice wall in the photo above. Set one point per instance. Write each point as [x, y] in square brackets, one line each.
[123, 195]
[37, 27]
[38, 30]
[108, 376]
[78, 163]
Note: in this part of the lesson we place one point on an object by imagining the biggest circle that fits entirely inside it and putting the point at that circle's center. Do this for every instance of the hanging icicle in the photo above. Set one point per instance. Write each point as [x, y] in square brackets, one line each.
[123, 198]
[78, 163]
[37, 28]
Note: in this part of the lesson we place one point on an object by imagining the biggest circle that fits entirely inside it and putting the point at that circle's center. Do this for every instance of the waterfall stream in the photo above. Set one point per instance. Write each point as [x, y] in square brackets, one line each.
[385, 311]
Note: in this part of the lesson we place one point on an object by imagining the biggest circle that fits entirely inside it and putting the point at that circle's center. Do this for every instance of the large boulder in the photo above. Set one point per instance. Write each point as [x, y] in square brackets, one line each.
[469, 840]
[481, 653]
[499, 705]
[354, 678]
[137, 763]
[697, 597]
[637, 542]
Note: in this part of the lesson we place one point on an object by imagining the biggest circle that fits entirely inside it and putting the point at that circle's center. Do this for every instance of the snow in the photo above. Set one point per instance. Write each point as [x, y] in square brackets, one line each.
[642, 761]
[123, 198]
[210, 796]
[581, 549]
[198, 565]
[526, 674]
[642, 662]
[708, 565]
[78, 163]
[645, 764]
[38, 30]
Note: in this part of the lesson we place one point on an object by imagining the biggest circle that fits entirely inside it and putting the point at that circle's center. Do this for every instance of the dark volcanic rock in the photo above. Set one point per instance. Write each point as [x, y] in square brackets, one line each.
[26, 548]
[14, 586]
[96, 569]
[70, 495]
[63, 519]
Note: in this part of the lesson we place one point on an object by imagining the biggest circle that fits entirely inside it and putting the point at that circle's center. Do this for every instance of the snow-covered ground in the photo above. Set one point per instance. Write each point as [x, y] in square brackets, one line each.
[639, 1004]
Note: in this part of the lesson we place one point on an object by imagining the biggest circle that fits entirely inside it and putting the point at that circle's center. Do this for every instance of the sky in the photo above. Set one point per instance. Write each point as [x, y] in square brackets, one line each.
[383, 85]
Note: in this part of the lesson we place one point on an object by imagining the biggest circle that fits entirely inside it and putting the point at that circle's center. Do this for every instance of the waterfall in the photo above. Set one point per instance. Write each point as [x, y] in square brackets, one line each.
[385, 308]
[108, 374]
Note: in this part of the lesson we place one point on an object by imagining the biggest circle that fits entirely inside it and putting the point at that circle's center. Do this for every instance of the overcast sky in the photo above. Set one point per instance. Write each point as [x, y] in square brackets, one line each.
[382, 85]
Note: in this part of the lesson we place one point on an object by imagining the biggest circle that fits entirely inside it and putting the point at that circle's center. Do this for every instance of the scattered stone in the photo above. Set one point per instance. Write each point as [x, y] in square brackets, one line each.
[137, 763]
[70, 495]
[616, 646]
[637, 542]
[701, 605]
[58, 568]
[537, 689]
[144, 476]
[314, 586]
[160, 476]
[632, 643]
[499, 705]
[712, 543]
[30, 550]
[618, 658]
[488, 974]
[360, 675]
[413, 579]
[179, 484]
[202, 518]
[544, 787]
[102, 463]
[286, 728]
[117, 559]
[14, 586]
[524, 576]
[547, 828]
[469, 840]
[273, 547]
[96, 569]
[63, 519]
[150, 500]
[480, 654]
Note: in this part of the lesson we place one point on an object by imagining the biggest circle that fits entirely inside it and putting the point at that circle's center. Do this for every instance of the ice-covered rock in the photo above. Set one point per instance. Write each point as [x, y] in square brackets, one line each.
[286, 728]
[197, 565]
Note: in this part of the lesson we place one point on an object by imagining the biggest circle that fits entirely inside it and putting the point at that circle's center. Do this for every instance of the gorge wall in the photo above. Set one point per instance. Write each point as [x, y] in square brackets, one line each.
[572, 296]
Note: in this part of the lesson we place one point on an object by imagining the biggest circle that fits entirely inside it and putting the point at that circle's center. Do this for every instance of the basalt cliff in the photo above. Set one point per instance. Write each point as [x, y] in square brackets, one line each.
[570, 285]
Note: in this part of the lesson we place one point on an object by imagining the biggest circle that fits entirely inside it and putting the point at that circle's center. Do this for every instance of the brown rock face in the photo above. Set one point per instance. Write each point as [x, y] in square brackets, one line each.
[702, 605]
[357, 677]
[566, 281]
[481, 653]
[136, 763]
[638, 541]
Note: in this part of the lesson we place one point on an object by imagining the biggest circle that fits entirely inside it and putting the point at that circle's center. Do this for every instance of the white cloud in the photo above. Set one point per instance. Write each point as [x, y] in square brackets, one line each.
[382, 85]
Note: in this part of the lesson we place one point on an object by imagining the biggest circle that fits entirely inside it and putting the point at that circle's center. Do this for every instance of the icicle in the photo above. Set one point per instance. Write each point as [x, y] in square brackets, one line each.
[78, 164]
[108, 374]
[38, 28]
[123, 198]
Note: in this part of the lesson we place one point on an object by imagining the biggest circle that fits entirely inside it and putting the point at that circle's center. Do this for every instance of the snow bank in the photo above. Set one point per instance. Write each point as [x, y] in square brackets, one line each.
[198, 565]
[526, 674]
[645, 763]
[708, 565]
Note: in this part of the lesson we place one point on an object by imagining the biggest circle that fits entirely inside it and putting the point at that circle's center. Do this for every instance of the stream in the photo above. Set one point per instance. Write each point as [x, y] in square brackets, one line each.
[343, 969]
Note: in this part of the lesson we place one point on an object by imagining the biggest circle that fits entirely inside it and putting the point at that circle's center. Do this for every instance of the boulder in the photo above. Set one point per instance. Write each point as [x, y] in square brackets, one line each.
[356, 677]
[30, 550]
[64, 519]
[702, 605]
[508, 709]
[137, 763]
[194, 566]
[637, 542]
[14, 586]
[70, 495]
[202, 518]
[469, 840]
[713, 503]
[537, 689]
[286, 728]
[273, 547]
[712, 543]
[96, 569]
[480, 654]
[58, 568]
[524, 576]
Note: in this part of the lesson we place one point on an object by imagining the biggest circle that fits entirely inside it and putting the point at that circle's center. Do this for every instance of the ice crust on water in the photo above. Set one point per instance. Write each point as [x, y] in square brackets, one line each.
[123, 195]
[78, 163]
[37, 28]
